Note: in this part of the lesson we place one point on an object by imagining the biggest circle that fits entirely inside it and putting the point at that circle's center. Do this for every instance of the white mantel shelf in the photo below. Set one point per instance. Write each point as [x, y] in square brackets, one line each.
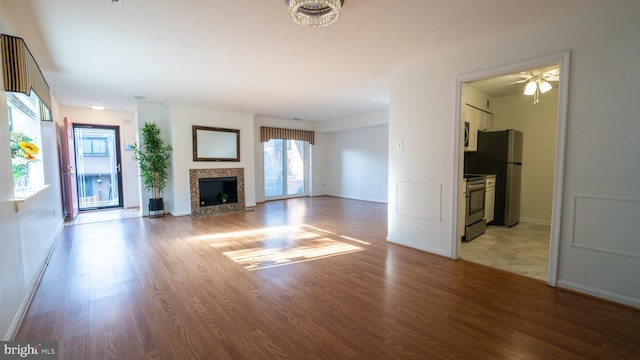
[22, 197]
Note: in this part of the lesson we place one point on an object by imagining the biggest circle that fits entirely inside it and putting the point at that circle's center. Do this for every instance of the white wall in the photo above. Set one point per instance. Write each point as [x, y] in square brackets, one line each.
[30, 230]
[319, 165]
[147, 112]
[126, 121]
[601, 145]
[355, 157]
[538, 124]
[182, 118]
[357, 163]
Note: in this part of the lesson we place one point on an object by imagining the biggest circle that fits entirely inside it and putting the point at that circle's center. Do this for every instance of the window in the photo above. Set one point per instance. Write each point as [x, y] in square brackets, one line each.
[25, 141]
[94, 146]
[285, 168]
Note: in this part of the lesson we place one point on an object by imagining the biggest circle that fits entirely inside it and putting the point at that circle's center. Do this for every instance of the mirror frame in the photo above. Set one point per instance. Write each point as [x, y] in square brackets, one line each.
[200, 156]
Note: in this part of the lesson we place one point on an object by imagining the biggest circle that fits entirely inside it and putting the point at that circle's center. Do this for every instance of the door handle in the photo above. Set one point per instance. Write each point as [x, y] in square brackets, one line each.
[118, 167]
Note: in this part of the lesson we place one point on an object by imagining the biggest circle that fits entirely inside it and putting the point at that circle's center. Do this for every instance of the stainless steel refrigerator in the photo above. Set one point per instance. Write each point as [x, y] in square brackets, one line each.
[500, 153]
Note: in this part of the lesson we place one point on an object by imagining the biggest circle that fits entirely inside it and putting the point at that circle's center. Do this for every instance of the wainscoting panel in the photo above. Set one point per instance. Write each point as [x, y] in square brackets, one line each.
[608, 225]
[421, 200]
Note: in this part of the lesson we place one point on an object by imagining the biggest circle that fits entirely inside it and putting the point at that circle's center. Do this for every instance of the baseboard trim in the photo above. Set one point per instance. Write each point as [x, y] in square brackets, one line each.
[430, 250]
[31, 290]
[605, 295]
[535, 221]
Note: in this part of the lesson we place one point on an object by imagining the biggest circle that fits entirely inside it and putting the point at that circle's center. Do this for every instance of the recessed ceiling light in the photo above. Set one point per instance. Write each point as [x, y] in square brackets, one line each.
[97, 107]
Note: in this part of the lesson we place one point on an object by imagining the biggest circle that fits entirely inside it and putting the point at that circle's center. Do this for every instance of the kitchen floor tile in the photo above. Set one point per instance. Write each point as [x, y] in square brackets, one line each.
[522, 249]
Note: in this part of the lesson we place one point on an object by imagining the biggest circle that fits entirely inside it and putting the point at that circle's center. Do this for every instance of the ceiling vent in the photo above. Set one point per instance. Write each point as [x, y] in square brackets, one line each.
[119, 2]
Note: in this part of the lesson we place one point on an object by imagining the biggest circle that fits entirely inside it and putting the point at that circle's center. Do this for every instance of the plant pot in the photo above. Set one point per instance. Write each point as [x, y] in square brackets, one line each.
[156, 204]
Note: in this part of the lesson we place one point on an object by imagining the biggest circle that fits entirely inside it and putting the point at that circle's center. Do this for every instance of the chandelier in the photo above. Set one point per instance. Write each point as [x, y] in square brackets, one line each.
[314, 13]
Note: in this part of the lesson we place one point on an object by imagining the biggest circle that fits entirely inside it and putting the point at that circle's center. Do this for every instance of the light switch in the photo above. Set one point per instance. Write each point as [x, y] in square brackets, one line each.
[399, 145]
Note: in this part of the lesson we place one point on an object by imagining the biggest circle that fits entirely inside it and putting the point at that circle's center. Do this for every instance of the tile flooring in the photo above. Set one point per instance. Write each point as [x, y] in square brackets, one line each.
[88, 217]
[522, 249]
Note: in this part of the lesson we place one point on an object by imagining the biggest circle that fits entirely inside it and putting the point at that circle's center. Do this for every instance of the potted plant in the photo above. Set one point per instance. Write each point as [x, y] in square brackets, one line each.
[153, 157]
[224, 197]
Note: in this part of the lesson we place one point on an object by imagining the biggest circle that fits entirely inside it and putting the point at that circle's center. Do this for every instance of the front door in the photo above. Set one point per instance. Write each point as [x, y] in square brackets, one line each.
[69, 171]
[99, 179]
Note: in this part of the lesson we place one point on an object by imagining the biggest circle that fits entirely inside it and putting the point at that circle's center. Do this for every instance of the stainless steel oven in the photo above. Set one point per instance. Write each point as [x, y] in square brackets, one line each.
[474, 217]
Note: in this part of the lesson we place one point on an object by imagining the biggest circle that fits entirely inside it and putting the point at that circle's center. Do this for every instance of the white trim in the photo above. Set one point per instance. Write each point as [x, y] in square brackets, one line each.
[458, 154]
[535, 221]
[563, 96]
[12, 331]
[556, 212]
[572, 228]
[420, 247]
[570, 285]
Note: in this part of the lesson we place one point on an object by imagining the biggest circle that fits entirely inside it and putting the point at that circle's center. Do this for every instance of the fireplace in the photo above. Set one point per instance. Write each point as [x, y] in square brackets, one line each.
[207, 187]
[218, 191]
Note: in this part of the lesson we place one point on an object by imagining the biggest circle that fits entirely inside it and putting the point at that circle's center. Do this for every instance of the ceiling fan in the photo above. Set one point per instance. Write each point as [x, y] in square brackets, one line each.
[537, 82]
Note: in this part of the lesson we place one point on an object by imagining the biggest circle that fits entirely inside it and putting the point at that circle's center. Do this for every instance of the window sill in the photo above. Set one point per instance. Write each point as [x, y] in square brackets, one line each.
[24, 196]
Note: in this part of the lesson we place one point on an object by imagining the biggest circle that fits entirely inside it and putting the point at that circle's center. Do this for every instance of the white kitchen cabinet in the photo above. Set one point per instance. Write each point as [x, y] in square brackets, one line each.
[489, 198]
[478, 121]
[485, 121]
[462, 207]
[472, 116]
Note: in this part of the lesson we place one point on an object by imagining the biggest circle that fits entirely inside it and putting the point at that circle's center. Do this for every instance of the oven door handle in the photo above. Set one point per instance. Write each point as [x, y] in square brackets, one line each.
[471, 187]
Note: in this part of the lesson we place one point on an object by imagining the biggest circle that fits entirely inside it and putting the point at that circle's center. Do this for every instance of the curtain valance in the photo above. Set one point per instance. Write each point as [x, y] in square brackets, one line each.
[268, 133]
[22, 74]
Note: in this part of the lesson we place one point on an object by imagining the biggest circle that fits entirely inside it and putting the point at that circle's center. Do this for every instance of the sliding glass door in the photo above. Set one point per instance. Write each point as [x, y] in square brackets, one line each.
[285, 168]
[99, 181]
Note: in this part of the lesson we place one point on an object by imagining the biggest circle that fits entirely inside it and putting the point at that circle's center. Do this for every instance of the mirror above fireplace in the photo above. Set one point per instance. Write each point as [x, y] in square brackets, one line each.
[215, 144]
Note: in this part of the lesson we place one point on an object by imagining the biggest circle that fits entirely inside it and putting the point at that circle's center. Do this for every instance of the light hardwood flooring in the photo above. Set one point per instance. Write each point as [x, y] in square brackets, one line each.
[308, 278]
[522, 249]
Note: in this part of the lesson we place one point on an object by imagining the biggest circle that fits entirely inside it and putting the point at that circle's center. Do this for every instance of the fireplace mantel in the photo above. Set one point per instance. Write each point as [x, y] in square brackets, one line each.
[196, 174]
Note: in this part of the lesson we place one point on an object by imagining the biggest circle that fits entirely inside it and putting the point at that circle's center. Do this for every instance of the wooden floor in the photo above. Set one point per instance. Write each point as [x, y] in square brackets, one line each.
[309, 278]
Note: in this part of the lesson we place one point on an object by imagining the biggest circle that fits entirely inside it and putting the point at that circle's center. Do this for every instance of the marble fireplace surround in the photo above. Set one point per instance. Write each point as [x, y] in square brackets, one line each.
[197, 174]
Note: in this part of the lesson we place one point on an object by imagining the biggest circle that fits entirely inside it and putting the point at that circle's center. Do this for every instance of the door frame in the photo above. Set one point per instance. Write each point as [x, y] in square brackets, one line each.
[561, 58]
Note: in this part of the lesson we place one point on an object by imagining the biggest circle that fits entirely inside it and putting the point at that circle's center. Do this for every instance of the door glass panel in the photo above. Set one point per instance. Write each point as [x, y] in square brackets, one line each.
[98, 167]
[284, 168]
[273, 168]
[295, 167]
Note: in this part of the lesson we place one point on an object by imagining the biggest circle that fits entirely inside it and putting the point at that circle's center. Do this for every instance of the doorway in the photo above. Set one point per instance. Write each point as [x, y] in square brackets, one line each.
[548, 232]
[98, 169]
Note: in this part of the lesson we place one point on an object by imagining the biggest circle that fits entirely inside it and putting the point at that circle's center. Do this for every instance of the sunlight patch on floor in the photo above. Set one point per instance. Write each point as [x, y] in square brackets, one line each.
[282, 245]
[262, 258]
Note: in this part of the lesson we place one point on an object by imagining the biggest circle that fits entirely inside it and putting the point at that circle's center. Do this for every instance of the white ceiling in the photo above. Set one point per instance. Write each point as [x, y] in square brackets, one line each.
[513, 84]
[247, 55]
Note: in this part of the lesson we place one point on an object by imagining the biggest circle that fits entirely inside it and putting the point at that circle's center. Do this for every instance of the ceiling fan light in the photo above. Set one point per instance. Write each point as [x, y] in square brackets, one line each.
[544, 86]
[530, 89]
